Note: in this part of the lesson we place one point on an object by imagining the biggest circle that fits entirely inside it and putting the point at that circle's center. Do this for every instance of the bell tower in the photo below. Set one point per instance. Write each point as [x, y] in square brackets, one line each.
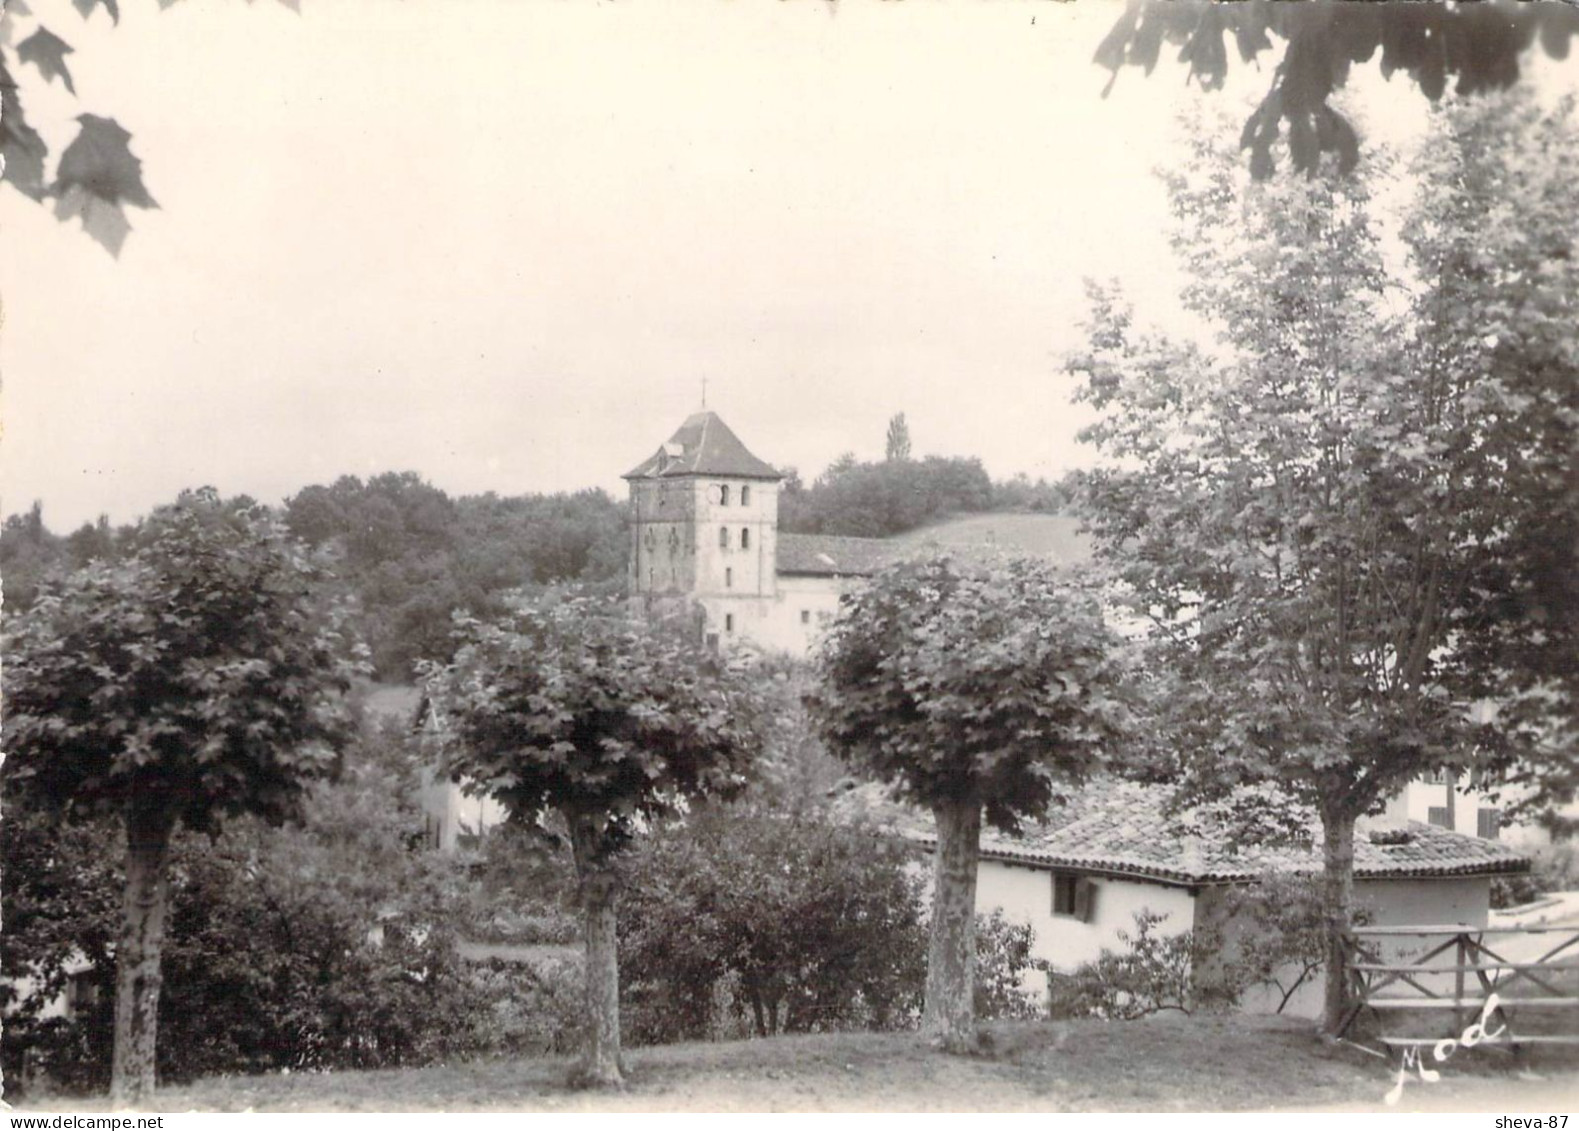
[704, 527]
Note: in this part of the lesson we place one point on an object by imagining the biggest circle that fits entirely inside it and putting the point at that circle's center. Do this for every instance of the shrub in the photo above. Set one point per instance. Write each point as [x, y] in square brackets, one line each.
[1152, 975]
[786, 925]
[1003, 958]
[1513, 891]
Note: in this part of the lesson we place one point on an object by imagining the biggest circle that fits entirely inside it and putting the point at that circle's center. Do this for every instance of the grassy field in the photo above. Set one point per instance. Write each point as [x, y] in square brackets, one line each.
[1169, 1063]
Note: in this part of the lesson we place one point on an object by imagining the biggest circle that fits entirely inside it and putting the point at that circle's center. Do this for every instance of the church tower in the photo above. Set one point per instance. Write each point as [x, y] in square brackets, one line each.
[704, 527]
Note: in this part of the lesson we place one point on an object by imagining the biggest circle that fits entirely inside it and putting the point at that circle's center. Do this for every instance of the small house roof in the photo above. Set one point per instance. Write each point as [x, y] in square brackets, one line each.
[1123, 829]
[703, 445]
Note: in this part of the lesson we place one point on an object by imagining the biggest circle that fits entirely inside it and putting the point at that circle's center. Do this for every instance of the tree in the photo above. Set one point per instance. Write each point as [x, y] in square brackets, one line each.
[192, 682]
[1480, 43]
[1332, 517]
[982, 690]
[577, 709]
[898, 447]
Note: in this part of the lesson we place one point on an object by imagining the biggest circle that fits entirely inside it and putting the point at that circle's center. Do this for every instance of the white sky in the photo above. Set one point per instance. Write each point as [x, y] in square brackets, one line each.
[501, 244]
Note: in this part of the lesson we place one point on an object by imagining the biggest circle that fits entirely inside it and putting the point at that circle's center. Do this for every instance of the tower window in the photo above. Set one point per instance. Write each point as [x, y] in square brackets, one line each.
[745, 537]
[729, 578]
[729, 622]
[745, 495]
[723, 495]
[723, 537]
[805, 616]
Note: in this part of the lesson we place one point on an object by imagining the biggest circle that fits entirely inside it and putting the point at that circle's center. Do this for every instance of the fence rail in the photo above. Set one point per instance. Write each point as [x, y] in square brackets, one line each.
[1502, 987]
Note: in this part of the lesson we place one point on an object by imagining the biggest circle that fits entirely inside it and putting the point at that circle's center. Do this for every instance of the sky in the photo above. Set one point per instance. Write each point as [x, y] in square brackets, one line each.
[504, 244]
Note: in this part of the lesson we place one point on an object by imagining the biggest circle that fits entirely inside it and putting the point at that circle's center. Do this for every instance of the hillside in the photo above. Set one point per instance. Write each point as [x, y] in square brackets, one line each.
[1056, 536]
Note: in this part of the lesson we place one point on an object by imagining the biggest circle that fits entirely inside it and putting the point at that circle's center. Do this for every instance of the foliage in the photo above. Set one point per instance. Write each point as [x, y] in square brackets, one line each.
[875, 500]
[986, 689]
[792, 924]
[61, 912]
[1153, 974]
[30, 554]
[998, 683]
[349, 957]
[191, 674]
[1334, 518]
[1479, 43]
[575, 705]
[897, 445]
[1003, 959]
[411, 556]
[1274, 932]
[577, 708]
[1514, 891]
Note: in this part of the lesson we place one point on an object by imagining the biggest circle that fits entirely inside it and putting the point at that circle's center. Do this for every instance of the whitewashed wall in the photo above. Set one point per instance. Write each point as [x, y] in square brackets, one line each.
[1025, 895]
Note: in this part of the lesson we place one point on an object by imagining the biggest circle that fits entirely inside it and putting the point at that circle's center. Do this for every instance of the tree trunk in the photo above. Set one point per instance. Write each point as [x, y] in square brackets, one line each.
[950, 1014]
[1338, 898]
[137, 976]
[600, 1065]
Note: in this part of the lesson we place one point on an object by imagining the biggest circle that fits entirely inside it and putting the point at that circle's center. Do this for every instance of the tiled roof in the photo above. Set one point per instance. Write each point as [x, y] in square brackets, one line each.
[1122, 828]
[830, 554]
[704, 445]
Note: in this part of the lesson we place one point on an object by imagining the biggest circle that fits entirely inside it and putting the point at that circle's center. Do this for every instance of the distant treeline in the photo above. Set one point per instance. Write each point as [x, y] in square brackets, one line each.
[407, 556]
[403, 552]
[881, 499]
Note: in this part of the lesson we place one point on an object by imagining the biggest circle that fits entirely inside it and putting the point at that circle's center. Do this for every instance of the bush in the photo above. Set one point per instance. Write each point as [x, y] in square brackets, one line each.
[1153, 975]
[534, 1009]
[1555, 867]
[742, 919]
[1003, 958]
[1514, 891]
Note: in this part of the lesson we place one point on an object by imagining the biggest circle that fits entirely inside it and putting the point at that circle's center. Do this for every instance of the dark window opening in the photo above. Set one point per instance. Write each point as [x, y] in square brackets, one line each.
[729, 622]
[805, 616]
[1074, 897]
[745, 496]
[723, 537]
[729, 578]
[723, 495]
[745, 537]
[1488, 823]
[1437, 815]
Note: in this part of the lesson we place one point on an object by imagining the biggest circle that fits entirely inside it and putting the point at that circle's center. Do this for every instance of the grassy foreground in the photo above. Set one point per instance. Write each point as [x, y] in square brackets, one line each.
[1169, 1063]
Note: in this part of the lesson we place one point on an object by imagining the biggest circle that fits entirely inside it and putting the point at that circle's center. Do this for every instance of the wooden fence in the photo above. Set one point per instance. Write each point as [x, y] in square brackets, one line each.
[1505, 987]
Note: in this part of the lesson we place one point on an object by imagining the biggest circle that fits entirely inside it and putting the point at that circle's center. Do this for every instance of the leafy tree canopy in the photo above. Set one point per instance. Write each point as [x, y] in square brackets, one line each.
[191, 674]
[576, 705]
[1477, 44]
[994, 683]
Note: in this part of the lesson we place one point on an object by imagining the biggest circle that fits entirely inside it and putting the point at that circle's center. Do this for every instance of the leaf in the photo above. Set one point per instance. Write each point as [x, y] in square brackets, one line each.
[47, 51]
[85, 7]
[21, 148]
[102, 219]
[99, 161]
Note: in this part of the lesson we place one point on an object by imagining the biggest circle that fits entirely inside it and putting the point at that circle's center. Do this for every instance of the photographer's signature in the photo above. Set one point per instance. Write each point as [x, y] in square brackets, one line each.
[1445, 1048]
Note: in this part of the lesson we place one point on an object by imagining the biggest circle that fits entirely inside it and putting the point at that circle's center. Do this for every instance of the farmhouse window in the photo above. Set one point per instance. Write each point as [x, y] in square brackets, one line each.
[1488, 823]
[1073, 896]
[805, 616]
[1437, 815]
